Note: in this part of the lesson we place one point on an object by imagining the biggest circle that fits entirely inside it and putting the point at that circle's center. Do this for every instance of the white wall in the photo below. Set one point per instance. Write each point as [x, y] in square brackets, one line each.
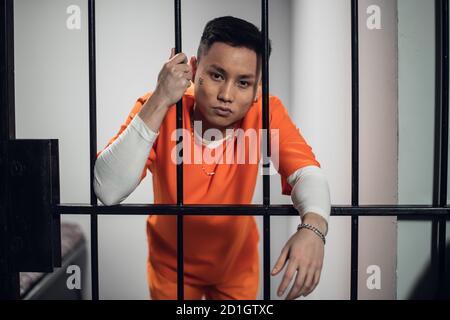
[378, 130]
[51, 83]
[321, 96]
[416, 48]
[321, 107]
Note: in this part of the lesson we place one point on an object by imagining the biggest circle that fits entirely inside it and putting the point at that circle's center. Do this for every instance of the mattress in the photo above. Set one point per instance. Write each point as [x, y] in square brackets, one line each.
[71, 237]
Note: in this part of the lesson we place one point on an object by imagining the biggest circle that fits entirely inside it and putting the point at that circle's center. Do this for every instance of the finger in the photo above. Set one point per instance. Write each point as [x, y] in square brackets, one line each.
[183, 75]
[315, 282]
[308, 283]
[178, 59]
[188, 75]
[188, 83]
[317, 277]
[298, 284]
[183, 68]
[279, 265]
[287, 277]
[188, 68]
[172, 53]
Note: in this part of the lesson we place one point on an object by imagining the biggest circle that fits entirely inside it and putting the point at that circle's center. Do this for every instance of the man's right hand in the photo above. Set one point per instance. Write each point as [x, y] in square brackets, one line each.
[173, 79]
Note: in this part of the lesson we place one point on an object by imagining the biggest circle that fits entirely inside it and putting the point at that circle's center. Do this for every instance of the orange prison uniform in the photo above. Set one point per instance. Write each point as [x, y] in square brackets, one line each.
[220, 252]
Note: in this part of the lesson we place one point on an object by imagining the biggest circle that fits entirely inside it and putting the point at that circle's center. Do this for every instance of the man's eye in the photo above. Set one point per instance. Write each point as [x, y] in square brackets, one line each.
[243, 84]
[216, 76]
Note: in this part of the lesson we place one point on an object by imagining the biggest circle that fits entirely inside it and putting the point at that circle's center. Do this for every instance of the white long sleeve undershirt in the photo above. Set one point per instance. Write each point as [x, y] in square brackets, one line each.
[119, 167]
[310, 191]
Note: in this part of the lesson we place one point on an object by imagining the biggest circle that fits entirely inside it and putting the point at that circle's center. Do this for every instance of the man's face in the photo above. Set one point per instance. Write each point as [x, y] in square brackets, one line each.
[226, 84]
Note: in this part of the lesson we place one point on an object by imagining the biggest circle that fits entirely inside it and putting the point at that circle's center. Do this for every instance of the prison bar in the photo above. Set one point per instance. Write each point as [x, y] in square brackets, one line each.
[409, 212]
[93, 145]
[9, 278]
[266, 147]
[355, 151]
[180, 189]
[440, 173]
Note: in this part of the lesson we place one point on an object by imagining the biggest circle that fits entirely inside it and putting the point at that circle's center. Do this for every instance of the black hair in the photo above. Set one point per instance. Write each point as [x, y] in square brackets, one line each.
[234, 32]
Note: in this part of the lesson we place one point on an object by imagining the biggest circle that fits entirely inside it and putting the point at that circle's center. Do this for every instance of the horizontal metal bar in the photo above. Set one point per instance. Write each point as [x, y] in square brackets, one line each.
[401, 211]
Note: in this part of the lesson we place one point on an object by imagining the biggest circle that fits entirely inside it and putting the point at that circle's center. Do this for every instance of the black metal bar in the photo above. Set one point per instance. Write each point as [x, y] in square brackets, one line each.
[266, 146]
[444, 150]
[93, 146]
[9, 278]
[7, 97]
[437, 135]
[444, 102]
[438, 105]
[434, 246]
[441, 244]
[265, 101]
[355, 150]
[179, 120]
[403, 212]
[440, 141]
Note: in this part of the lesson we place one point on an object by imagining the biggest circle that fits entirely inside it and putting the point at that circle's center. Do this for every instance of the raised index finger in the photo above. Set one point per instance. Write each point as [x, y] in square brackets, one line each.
[178, 58]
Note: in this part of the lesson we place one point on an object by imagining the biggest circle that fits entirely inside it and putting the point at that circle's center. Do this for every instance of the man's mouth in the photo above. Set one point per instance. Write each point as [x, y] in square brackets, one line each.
[223, 111]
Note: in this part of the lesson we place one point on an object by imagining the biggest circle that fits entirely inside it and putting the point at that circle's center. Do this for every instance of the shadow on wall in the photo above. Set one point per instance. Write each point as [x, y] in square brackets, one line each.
[426, 289]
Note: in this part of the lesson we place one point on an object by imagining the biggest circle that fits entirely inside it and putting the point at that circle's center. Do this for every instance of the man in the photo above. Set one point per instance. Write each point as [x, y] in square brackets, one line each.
[220, 91]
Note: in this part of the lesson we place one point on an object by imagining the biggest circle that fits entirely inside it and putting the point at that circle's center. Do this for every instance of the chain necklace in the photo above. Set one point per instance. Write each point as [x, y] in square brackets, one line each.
[193, 139]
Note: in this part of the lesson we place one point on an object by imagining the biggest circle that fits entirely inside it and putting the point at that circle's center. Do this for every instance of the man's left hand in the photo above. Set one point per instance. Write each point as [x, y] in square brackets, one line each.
[305, 252]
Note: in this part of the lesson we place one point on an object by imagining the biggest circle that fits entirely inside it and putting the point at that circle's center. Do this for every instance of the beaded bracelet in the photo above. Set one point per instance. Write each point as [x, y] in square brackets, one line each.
[312, 228]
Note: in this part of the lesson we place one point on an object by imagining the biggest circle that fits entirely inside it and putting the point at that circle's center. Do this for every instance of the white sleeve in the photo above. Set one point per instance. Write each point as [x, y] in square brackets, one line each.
[310, 191]
[118, 169]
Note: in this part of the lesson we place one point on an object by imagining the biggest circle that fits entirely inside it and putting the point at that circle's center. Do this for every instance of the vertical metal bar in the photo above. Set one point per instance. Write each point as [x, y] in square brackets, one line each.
[444, 153]
[444, 99]
[437, 128]
[442, 276]
[9, 278]
[93, 146]
[355, 150]
[179, 120]
[266, 146]
[434, 254]
[440, 141]
[7, 99]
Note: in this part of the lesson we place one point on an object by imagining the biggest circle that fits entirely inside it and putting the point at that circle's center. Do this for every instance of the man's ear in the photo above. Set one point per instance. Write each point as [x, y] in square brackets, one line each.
[193, 63]
[258, 91]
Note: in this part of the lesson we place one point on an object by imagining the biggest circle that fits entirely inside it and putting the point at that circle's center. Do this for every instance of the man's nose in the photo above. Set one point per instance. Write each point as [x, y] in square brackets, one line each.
[226, 92]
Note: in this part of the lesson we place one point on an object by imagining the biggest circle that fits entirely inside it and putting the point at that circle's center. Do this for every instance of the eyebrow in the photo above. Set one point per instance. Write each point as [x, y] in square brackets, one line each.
[221, 70]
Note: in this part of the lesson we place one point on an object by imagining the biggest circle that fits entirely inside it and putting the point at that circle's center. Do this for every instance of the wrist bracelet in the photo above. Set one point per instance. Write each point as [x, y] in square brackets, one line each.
[312, 228]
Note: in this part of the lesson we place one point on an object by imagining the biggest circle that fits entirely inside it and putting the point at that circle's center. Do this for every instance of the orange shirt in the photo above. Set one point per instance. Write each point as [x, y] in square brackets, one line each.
[213, 244]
